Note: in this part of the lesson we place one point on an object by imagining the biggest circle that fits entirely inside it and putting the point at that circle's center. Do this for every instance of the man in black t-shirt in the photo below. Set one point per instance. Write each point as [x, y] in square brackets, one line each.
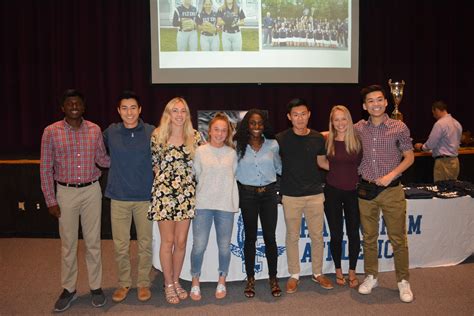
[302, 150]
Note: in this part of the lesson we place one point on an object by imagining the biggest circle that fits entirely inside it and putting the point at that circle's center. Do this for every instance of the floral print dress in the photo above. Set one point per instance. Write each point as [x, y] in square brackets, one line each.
[174, 187]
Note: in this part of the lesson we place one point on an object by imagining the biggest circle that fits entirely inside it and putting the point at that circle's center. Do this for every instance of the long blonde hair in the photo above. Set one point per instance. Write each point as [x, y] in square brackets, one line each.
[351, 140]
[163, 132]
[230, 129]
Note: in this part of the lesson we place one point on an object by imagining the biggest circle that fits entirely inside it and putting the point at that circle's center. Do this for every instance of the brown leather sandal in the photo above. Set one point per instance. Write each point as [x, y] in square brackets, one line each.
[250, 287]
[353, 283]
[341, 281]
[275, 288]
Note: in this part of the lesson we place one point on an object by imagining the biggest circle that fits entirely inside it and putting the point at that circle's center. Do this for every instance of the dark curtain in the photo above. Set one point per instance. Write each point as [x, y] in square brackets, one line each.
[102, 47]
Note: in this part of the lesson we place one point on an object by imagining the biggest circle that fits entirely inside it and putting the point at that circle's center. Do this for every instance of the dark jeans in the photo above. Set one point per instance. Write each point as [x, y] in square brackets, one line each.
[336, 203]
[253, 204]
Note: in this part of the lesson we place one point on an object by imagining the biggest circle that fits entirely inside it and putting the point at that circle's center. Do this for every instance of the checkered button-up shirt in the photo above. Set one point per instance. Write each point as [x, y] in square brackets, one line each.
[383, 146]
[70, 155]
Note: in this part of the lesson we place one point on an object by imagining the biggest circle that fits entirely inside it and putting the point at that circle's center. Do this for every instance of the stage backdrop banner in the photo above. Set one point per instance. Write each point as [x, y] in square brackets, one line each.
[439, 234]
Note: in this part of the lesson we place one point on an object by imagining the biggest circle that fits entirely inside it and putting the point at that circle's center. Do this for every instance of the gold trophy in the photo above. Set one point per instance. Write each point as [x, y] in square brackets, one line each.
[396, 88]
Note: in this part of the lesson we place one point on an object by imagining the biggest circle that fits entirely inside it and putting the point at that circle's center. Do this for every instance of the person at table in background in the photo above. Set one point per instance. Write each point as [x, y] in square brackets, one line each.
[302, 150]
[184, 18]
[128, 186]
[387, 152]
[259, 163]
[344, 153]
[207, 25]
[217, 200]
[444, 141]
[230, 17]
[70, 150]
[173, 144]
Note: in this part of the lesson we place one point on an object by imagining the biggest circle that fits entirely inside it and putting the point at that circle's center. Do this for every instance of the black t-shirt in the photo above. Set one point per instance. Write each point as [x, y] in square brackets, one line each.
[301, 175]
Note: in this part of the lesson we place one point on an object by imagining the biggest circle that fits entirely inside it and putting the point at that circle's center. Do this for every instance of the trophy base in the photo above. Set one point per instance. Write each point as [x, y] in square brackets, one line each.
[397, 115]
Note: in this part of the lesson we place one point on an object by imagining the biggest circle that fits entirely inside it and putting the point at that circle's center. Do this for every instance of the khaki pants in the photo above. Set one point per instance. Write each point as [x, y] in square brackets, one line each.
[446, 169]
[121, 214]
[312, 207]
[393, 205]
[84, 204]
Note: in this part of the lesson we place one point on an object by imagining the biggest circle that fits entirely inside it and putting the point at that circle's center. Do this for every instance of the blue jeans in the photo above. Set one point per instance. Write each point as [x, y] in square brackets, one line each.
[202, 222]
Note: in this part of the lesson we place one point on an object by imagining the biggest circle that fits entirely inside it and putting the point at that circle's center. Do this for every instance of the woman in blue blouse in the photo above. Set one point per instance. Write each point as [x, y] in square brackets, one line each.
[258, 165]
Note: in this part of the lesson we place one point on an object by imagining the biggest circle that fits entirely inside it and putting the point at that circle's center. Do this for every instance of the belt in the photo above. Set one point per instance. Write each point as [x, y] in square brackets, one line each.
[255, 188]
[208, 34]
[232, 32]
[394, 183]
[186, 31]
[444, 156]
[76, 185]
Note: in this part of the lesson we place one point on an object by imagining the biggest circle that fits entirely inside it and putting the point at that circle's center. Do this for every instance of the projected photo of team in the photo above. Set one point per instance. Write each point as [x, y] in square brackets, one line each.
[208, 25]
[307, 25]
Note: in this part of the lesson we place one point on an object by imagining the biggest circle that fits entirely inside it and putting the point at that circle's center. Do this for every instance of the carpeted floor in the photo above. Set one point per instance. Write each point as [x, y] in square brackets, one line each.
[30, 284]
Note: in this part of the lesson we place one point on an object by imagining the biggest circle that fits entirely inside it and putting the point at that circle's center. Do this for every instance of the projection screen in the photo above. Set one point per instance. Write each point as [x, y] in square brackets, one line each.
[254, 41]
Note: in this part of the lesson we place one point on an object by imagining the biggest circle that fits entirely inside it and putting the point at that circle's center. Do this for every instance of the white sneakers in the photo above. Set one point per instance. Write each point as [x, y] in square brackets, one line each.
[406, 295]
[368, 284]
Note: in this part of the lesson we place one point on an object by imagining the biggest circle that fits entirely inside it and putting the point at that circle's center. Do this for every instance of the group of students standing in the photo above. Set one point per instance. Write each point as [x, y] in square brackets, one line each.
[191, 180]
[304, 31]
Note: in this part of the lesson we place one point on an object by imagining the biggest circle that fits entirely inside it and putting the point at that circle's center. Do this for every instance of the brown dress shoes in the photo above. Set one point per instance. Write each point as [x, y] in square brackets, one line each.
[323, 281]
[143, 294]
[292, 285]
[120, 294]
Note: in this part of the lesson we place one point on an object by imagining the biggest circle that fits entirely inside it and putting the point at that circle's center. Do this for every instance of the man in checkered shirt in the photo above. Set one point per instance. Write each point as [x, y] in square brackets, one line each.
[387, 152]
[70, 150]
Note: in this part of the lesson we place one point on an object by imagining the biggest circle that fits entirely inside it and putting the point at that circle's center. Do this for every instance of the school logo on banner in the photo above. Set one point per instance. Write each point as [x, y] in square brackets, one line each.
[238, 250]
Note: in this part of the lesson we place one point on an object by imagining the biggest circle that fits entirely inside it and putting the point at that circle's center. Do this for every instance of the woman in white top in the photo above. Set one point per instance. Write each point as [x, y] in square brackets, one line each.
[217, 199]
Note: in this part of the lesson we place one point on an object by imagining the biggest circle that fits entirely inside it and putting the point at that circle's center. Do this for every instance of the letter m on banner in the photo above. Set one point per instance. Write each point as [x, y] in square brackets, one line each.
[414, 224]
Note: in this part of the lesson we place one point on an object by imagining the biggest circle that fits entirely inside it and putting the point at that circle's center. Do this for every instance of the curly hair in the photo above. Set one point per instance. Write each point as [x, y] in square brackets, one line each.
[242, 135]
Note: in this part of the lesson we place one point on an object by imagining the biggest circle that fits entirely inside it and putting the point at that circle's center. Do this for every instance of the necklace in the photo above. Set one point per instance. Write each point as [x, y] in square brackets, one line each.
[256, 145]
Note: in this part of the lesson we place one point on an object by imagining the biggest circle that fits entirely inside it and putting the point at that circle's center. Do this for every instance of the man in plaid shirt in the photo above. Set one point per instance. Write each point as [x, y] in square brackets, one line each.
[387, 152]
[70, 150]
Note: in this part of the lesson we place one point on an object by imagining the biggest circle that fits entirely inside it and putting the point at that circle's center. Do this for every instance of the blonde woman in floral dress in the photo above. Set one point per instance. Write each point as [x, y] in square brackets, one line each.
[173, 145]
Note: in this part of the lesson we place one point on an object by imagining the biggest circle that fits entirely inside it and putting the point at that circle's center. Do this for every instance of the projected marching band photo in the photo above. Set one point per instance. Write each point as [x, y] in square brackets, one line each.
[314, 24]
[208, 25]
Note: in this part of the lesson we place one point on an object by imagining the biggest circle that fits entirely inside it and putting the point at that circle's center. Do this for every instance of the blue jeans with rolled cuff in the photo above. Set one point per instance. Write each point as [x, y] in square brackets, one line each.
[202, 223]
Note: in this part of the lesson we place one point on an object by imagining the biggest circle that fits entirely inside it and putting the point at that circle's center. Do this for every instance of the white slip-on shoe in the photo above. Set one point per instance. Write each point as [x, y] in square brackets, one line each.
[406, 294]
[368, 284]
[195, 293]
